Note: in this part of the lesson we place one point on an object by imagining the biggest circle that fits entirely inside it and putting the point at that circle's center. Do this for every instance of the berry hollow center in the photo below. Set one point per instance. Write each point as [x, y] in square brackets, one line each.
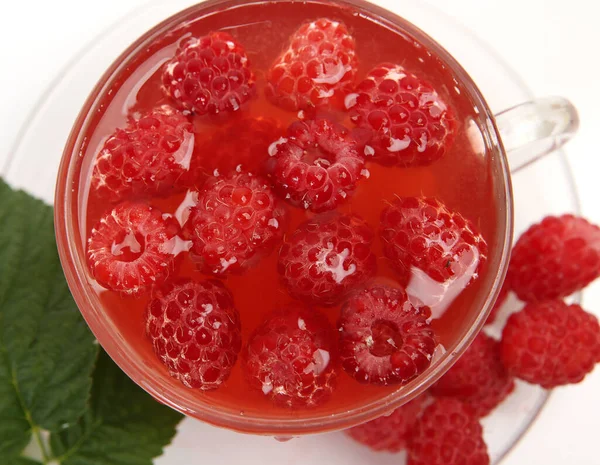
[128, 246]
[315, 155]
[385, 338]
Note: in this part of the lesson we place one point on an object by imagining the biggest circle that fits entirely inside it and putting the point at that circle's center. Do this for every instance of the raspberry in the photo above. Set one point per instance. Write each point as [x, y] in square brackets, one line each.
[152, 155]
[317, 166]
[551, 344]
[195, 331]
[242, 145]
[421, 233]
[327, 257]
[235, 220]
[447, 433]
[555, 258]
[209, 75]
[410, 124]
[502, 296]
[318, 68]
[132, 248]
[389, 432]
[478, 378]
[383, 338]
[291, 356]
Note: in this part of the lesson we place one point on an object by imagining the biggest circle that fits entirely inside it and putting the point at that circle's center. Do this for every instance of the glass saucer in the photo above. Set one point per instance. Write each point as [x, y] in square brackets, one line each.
[541, 189]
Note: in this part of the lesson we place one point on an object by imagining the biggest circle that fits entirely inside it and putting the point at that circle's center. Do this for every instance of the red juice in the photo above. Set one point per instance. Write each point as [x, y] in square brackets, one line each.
[462, 179]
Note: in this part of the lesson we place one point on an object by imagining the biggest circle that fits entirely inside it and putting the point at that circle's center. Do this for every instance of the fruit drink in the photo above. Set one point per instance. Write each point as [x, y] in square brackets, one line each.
[287, 207]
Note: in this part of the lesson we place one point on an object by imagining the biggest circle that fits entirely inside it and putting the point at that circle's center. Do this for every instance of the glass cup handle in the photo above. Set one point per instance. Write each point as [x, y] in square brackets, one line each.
[533, 129]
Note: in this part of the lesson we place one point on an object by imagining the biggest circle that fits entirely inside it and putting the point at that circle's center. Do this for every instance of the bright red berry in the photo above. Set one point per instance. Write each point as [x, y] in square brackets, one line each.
[240, 146]
[195, 331]
[390, 432]
[447, 433]
[421, 235]
[318, 67]
[326, 258]
[133, 247]
[291, 358]
[478, 378]
[384, 339]
[555, 258]
[551, 343]
[408, 122]
[209, 75]
[317, 166]
[235, 220]
[152, 155]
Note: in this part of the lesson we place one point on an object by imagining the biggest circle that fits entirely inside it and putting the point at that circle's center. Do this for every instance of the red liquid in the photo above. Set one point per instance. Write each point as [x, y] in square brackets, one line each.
[462, 179]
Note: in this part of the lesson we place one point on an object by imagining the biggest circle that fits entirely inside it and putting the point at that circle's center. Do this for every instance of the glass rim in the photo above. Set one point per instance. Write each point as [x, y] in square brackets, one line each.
[74, 266]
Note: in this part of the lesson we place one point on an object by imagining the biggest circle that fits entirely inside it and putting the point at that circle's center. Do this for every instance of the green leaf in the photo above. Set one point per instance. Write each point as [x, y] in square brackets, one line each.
[48, 357]
[47, 352]
[24, 461]
[125, 426]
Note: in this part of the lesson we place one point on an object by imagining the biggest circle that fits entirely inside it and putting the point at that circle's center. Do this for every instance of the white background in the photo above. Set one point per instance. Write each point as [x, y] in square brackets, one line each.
[552, 44]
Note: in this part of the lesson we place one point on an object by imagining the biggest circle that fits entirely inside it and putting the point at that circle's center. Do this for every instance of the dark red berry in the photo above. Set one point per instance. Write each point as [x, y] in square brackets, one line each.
[291, 358]
[407, 122]
[317, 166]
[318, 68]
[195, 331]
[209, 75]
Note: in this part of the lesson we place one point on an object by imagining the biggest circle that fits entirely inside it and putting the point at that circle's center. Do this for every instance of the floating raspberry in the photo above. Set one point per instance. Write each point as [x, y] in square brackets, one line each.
[291, 358]
[240, 146]
[383, 338]
[317, 166]
[153, 155]
[195, 331]
[422, 233]
[318, 68]
[326, 258]
[409, 123]
[209, 75]
[236, 219]
[132, 248]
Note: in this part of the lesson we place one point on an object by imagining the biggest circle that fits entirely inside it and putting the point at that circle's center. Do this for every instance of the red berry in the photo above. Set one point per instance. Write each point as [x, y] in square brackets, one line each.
[326, 258]
[390, 432]
[291, 357]
[195, 331]
[478, 378]
[318, 67]
[408, 122]
[502, 296]
[447, 433]
[551, 344]
[421, 233]
[383, 338]
[317, 166]
[209, 75]
[555, 258]
[152, 155]
[236, 219]
[240, 146]
[133, 247]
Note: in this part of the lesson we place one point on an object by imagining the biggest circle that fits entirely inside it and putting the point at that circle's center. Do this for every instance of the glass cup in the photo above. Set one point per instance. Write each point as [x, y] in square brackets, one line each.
[519, 135]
